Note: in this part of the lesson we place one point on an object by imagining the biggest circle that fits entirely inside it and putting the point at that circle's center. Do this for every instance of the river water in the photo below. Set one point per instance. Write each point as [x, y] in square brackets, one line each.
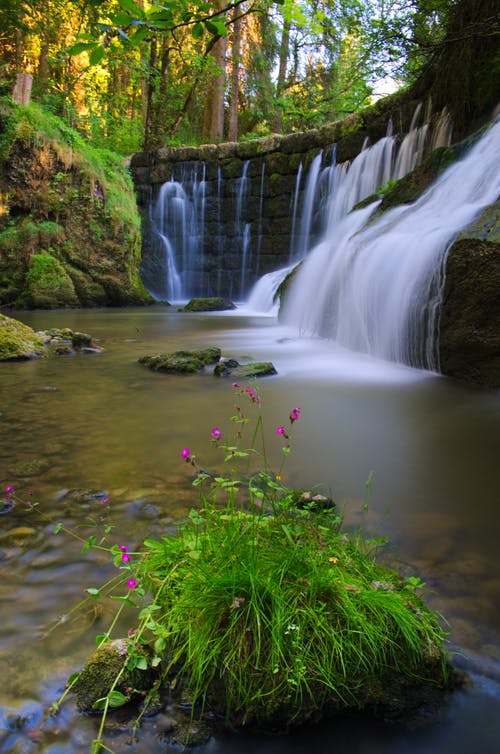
[76, 428]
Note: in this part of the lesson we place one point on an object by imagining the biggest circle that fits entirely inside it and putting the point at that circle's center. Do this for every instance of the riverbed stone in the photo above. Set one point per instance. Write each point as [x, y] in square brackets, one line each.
[249, 371]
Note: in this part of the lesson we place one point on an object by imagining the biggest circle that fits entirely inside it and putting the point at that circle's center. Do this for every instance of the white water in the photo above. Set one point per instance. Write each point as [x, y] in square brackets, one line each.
[374, 287]
[331, 193]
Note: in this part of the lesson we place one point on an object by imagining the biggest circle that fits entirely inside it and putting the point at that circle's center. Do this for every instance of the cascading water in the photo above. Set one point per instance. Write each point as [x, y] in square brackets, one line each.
[374, 286]
[178, 220]
[330, 194]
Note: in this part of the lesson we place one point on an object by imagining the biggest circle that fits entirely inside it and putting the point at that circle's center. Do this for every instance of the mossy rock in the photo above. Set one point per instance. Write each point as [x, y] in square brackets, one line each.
[18, 341]
[48, 285]
[213, 304]
[182, 362]
[247, 371]
[80, 339]
[101, 670]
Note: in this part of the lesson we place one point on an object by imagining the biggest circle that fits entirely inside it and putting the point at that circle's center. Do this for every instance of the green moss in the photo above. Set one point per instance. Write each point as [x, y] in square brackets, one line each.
[47, 284]
[256, 369]
[182, 362]
[213, 304]
[101, 671]
[59, 192]
[18, 341]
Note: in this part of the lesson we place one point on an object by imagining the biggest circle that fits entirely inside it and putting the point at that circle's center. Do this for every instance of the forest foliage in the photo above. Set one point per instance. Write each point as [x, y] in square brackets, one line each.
[131, 73]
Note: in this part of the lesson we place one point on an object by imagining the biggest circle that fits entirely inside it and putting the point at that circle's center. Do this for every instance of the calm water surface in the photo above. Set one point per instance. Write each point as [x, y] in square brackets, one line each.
[71, 426]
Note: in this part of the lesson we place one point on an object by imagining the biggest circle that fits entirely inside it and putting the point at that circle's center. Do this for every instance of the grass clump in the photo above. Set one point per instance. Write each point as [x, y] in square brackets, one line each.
[277, 617]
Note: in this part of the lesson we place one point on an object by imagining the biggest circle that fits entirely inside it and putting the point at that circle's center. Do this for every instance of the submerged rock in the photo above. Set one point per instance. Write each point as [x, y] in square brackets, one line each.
[213, 304]
[182, 362]
[245, 371]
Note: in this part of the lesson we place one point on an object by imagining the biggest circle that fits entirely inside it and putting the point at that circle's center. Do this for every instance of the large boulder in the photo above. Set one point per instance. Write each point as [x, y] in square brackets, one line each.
[469, 338]
[18, 342]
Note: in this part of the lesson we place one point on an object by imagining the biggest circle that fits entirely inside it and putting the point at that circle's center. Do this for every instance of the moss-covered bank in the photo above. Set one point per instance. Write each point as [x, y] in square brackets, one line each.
[69, 226]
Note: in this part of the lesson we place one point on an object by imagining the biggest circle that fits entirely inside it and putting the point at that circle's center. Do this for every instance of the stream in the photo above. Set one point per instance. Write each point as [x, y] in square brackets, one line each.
[74, 429]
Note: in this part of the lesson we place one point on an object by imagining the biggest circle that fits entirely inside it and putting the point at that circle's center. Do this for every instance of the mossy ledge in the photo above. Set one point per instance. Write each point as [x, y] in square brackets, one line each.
[69, 225]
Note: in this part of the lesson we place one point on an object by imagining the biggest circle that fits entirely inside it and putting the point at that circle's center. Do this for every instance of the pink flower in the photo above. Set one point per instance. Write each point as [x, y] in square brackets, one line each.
[125, 557]
[105, 500]
[185, 454]
[131, 583]
[9, 489]
[123, 548]
[216, 433]
[235, 384]
[280, 431]
[295, 414]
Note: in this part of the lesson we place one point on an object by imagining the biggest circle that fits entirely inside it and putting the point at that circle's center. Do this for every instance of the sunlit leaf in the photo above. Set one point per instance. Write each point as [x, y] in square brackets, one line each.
[79, 47]
[131, 7]
[97, 54]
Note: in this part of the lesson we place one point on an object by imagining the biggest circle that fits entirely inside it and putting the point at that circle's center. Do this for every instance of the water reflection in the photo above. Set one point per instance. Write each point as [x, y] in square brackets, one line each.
[72, 427]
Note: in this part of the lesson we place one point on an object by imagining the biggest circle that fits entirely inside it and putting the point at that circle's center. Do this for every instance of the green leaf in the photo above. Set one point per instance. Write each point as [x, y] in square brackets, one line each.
[126, 600]
[139, 35]
[153, 544]
[117, 699]
[155, 661]
[160, 645]
[197, 30]
[93, 592]
[131, 7]
[120, 19]
[97, 54]
[142, 663]
[80, 47]
[101, 638]
[57, 528]
[214, 28]
[72, 678]
[89, 543]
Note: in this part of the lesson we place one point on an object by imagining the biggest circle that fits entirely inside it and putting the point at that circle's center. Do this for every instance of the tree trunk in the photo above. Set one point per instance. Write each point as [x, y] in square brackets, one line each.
[281, 81]
[213, 119]
[22, 88]
[235, 78]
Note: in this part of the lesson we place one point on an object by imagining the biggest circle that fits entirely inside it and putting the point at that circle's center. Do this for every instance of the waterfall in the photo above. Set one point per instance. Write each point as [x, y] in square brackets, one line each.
[374, 287]
[330, 193]
[178, 221]
[263, 295]
[301, 244]
[242, 228]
